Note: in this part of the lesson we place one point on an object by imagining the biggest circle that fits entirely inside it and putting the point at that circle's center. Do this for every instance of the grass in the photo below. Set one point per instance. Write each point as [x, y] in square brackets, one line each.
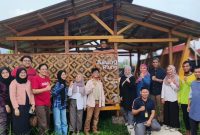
[106, 127]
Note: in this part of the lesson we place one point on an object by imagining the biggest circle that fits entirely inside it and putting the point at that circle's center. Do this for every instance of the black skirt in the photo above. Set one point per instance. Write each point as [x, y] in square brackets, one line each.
[21, 125]
[171, 114]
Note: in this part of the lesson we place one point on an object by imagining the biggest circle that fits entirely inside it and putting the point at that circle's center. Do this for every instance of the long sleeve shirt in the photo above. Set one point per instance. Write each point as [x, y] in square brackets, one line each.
[169, 92]
[18, 93]
[80, 99]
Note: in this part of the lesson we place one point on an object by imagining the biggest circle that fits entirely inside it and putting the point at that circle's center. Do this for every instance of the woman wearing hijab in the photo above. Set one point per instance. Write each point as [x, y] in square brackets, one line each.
[5, 79]
[170, 88]
[22, 100]
[3, 114]
[127, 94]
[77, 103]
[59, 104]
[144, 79]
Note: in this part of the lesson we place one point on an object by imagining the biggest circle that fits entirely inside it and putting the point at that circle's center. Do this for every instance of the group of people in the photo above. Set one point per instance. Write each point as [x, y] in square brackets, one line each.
[152, 99]
[26, 91]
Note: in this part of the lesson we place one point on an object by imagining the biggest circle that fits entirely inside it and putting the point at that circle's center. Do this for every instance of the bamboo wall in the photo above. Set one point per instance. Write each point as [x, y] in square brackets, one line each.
[74, 64]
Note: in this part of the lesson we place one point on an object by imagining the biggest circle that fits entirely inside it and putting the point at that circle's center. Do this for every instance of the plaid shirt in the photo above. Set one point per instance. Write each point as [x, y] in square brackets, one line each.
[56, 96]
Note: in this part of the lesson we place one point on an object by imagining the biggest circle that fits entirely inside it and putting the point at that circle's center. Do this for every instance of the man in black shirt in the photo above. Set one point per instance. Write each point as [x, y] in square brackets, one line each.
[144, 112]
[157, 75]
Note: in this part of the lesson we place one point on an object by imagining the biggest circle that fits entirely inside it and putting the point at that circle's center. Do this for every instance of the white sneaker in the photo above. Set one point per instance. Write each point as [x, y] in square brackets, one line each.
[131, 126]
[173, 129]
[167, 128]
[126, 124]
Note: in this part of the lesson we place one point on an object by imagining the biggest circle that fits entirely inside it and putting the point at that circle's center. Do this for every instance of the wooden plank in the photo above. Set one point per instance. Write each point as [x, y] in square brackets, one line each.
[25, 32]
[31, 38]
[15, 45]
[143, 40]
[170, 51]
[102, 23]
[70, 18]
[115, 25]
[145, 24]
[66, 33]
[185, 56]
[109, 108]
[125, 28]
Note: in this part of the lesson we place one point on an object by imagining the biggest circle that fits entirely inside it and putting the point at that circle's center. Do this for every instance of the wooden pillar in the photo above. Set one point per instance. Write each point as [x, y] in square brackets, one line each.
[130, 57]
[115, 24]
[66, 33]
[185, 55]
[16, 47]
[170, 51]
[138, 64]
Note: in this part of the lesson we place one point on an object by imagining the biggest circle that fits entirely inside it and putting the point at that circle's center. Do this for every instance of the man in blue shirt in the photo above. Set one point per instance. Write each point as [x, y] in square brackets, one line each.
[194, 102]
[144, 112]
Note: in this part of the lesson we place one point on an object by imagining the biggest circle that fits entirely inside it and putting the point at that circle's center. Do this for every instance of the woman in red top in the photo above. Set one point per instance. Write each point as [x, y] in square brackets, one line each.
[41, 90]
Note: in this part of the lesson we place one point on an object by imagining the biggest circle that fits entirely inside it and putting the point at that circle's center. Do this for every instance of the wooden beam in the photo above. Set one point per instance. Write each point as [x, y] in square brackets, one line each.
[170, 51]
[61, 21]
[66, 33]
[148, 25]
[2, 39]
[31, 38]
[185, 56]
[143, 40]
[11, 29]
[115, 25]
[125, 28]
[16, 47]
[136, 29]
[42, 18]
[102, 23]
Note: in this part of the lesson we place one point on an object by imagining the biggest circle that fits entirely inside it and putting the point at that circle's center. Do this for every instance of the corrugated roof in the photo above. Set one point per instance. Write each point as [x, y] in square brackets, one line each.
[86, 25]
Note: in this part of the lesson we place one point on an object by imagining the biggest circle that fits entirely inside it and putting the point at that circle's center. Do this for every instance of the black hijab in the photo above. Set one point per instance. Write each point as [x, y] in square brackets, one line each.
[18, 79]
[6, 81]
[63, 82]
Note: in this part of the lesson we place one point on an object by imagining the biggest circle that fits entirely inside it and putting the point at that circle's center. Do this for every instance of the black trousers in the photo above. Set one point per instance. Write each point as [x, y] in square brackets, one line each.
[185, 116]
[194, 126]
[171, 114]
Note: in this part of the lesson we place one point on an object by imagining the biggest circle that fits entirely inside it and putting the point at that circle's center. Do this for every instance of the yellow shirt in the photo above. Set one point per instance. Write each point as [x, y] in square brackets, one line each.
[184, 90]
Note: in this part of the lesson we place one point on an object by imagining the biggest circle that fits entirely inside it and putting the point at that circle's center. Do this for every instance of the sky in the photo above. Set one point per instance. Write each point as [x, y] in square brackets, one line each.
[185, 8]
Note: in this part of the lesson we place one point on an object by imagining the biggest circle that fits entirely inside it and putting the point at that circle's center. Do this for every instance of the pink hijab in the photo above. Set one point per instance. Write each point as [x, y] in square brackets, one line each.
[173, 77]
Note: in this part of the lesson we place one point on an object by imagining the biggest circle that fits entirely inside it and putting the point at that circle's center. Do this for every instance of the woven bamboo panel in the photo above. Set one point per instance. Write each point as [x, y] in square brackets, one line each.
[75, 64]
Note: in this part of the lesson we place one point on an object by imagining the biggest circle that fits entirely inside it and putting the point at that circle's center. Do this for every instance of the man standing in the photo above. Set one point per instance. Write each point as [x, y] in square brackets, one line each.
[144, 113]
[194, 102]
[95, 100]
[157, 75]
[26, 63]
[185, 82]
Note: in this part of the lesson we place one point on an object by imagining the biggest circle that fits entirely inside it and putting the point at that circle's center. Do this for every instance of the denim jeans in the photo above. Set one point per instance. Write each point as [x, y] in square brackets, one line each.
[140, 128]
[60, 121]
[128, 116]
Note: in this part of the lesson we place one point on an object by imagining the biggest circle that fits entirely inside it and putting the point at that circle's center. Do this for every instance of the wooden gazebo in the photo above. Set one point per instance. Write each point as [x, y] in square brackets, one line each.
[59, 28]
